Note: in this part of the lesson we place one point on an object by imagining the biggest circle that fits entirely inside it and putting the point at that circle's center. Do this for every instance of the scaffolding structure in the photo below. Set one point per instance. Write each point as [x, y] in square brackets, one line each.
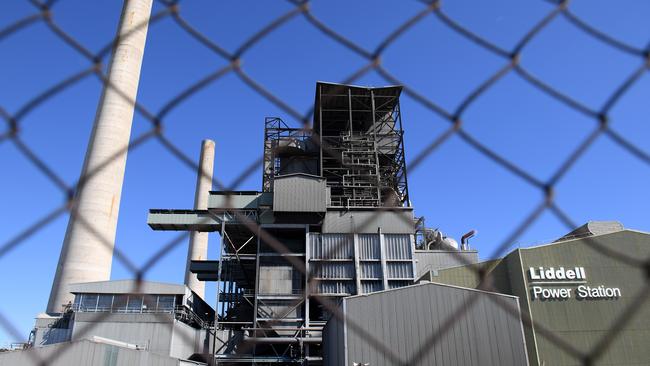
[360, 134]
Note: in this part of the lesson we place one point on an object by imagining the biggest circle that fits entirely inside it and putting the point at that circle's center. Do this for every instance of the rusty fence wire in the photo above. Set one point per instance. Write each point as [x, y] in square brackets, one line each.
[45, 12]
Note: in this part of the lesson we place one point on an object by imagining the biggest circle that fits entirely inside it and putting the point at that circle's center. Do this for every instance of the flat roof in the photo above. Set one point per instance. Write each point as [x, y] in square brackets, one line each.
[128, 287]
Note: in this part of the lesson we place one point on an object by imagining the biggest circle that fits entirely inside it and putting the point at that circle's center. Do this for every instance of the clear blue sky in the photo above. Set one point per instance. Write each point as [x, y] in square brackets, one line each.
[456, 188]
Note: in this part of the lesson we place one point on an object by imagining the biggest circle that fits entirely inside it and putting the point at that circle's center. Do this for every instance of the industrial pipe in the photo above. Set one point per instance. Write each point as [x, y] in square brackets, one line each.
[282, 340]
[464, 240]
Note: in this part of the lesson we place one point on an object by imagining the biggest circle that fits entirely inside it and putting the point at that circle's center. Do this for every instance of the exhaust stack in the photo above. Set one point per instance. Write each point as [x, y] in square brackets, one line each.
[87, 250]
[198, 248]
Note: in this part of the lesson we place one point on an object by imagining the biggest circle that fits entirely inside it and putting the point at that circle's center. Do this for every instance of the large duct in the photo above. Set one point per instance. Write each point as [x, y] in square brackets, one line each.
[198, 248]
[87, 249]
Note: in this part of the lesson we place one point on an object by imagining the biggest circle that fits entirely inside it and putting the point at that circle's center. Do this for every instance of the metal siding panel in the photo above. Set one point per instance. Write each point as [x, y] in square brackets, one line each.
[393, 315]
[371, 270]
[581, 323]
[405, 318]
[369, 246]
[448, 352]
[464, 330]
[439, 305]
[371, 286]
[439, 259]
[400, 270]
[398, 246]
[423, 304]
[333, 270]
[340, 221]
[311, 192]
[331, 246]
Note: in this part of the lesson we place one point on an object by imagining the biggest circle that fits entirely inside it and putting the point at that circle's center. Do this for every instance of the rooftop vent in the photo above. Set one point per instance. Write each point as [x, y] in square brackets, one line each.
[593, 228]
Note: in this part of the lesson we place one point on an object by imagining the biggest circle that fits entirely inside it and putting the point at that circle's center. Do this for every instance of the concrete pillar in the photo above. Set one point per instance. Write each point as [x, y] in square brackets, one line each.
[87, 249]
[198, 248]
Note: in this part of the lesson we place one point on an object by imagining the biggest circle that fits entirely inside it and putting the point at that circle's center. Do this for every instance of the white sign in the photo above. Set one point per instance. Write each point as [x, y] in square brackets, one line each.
[577, 273]
[561, 276]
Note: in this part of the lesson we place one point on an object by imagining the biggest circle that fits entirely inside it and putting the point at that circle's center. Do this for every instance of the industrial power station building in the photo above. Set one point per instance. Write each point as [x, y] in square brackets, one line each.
[328, 264]
[584, 294]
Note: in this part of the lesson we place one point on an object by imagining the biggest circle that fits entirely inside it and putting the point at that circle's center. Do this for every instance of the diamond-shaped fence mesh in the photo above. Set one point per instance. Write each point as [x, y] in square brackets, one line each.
[45, 13]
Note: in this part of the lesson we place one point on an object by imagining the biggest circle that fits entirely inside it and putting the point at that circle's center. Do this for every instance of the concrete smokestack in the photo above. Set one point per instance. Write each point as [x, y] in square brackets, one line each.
[198, 248]
[87, 249]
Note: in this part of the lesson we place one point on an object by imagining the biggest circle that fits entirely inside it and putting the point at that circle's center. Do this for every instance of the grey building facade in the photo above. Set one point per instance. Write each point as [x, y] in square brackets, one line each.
[579, 288]
[425, 324]
[159, 318]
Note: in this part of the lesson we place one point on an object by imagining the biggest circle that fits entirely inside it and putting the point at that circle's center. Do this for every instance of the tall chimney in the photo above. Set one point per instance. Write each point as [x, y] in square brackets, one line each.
[87, 249]
[198, 248]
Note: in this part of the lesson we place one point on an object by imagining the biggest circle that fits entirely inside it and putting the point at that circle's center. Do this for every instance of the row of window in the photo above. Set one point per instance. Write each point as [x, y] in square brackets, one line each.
[124, 303]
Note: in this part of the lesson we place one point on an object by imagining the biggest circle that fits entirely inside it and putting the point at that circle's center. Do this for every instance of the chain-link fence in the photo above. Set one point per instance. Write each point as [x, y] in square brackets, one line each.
[45, 13]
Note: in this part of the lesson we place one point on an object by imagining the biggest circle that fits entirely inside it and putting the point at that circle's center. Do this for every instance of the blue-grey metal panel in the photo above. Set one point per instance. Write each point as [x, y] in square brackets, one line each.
[413, 322]
[331, 246]
[398, 246]
[369, 246]
[370, 270]
[393, 284]
[336, 287]
[299, 193]
[368, 286]
[399, 269]
[333, 270]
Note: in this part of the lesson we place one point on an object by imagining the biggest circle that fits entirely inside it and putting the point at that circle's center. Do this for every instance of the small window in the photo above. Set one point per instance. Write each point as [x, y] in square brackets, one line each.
[165, 303]
[88, 303]
[104, 303]
[77, 302]
[119, 303]
[135, 304]
[149, 304]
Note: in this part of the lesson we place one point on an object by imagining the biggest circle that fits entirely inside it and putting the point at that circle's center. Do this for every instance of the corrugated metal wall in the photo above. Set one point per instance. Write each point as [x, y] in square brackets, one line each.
[369, 246]
[332, 256]
[398, 284]
[331, 246]
[370, 270]
[368, 287]
[399, 270]
[398, 246]
[311, 190]
[336, 287]
[333, 270]
[406, 319]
